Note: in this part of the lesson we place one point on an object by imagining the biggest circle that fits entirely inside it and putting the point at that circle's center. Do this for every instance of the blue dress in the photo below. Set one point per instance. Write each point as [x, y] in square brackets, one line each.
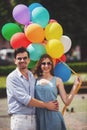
[46, 119]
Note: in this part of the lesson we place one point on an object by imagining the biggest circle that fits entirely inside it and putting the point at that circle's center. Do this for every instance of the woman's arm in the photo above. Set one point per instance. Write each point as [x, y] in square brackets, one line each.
[67, 98]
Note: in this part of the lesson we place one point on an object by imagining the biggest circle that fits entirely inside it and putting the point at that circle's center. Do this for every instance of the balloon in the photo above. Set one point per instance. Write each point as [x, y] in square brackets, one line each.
[18, 40]
[66, 41]
[62, 71]
[9, 29]
[54, 48]
[32, 7]
[40, 15]
[62, 58]
[32, 64]
[52, 20]
[36, 50]
[21, 14]
[35, 33]
[53, 31]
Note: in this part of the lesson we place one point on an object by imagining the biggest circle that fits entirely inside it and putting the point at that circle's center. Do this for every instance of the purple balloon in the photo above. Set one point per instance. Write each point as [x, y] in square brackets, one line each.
[21, 14]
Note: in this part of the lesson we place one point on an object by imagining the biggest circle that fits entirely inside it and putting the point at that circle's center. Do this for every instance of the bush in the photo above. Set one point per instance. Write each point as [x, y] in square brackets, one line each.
[77, 67]
[5, 70]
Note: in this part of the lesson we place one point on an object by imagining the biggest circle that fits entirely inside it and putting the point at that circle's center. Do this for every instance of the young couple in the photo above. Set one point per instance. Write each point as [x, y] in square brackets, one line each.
[32, 103]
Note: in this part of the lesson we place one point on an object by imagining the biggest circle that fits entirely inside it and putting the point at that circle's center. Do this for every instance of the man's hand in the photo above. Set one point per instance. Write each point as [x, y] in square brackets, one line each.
[52, 105]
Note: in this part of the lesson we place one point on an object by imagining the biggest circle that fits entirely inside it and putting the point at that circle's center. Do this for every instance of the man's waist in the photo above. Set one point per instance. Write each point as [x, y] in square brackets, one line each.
[22, 115]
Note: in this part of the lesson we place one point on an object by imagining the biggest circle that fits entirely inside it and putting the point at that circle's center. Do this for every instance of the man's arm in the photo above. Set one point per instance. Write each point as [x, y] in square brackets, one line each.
[52, 105]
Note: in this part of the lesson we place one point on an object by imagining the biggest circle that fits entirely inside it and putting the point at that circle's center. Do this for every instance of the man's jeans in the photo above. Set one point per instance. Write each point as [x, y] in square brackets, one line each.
[23, 122]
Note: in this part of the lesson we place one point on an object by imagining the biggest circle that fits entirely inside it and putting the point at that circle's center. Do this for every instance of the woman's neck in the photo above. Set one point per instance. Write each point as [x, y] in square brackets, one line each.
[47, 76]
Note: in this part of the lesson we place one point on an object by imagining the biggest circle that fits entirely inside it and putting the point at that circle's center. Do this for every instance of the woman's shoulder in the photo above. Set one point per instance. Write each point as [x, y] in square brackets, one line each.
[58, 79]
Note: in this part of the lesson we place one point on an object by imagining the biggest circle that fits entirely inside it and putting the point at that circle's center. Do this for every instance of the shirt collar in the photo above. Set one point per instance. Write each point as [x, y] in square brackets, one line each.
[20, 74]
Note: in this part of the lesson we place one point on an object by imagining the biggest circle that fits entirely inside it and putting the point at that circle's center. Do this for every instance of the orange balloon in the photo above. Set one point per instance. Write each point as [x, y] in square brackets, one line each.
[34, 33]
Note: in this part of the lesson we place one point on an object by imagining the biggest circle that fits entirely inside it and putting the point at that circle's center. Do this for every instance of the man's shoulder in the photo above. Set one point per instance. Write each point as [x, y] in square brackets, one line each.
[12, 74]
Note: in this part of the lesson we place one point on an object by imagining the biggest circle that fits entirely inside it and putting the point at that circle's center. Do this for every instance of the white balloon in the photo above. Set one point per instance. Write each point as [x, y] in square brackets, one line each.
[66, 41]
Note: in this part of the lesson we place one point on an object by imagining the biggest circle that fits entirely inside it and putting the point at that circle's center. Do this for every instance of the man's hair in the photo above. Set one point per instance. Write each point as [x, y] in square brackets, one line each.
[20, 50]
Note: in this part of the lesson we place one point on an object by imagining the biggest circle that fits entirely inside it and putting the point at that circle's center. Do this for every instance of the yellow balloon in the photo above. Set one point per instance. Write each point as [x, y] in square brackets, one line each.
[55, 48]
[53, 31]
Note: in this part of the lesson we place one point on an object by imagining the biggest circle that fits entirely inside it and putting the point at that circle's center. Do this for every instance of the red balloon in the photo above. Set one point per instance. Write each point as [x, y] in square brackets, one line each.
[19, 40]
[52, 20]
[62, 58]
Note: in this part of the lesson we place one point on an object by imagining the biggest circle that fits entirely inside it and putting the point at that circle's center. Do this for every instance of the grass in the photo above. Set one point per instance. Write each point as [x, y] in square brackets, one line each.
[2, 81]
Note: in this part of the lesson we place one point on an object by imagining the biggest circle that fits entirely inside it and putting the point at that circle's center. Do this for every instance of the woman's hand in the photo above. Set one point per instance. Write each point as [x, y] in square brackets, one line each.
[78, 80]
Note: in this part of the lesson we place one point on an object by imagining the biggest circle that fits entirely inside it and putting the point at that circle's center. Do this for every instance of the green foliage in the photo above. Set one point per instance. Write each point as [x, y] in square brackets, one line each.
[79, 66]
[5, 70]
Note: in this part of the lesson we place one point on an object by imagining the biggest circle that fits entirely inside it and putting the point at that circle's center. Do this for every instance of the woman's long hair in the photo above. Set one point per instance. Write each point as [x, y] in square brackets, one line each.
[38, 70]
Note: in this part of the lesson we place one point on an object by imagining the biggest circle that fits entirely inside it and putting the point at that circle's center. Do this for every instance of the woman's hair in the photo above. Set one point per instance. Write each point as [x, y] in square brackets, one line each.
[21, 50]
[38, 70]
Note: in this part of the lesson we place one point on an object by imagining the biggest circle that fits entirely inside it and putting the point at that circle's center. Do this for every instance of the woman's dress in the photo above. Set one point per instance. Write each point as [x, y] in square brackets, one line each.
[47, 119]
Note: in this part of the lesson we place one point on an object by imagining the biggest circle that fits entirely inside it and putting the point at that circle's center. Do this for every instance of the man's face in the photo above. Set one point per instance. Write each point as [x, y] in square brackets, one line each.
[22, 60]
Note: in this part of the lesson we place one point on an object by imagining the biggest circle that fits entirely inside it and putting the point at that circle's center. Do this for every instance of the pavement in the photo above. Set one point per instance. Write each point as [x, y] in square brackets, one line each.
[74, 120]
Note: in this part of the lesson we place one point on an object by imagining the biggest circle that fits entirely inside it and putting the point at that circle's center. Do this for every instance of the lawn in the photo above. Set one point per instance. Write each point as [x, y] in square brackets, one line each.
[3, 82]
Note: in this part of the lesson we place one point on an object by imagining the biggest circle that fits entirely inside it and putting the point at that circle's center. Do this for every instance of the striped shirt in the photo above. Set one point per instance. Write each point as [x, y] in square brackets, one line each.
[19, 92]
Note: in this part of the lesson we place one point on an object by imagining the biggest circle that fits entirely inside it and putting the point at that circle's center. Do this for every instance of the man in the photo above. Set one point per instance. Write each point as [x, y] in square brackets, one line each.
[20, 94]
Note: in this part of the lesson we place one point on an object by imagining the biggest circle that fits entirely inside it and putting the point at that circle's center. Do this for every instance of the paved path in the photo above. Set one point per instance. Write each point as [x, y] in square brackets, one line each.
[74, 120]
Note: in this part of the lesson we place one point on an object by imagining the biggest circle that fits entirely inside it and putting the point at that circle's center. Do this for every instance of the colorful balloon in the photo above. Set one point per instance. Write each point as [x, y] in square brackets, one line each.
[32, 64]
[62, 58]
[34, 33]
[32, 7]
[52, 20]
[40, 15]
[9, 29]
[21, 14]
[19, 40]
[62, 71]
[36, 50]
[53, 31]
[66, 41]
[54, 48]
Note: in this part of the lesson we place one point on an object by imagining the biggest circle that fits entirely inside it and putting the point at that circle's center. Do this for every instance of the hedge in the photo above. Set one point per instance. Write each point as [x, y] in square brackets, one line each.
[77, 67]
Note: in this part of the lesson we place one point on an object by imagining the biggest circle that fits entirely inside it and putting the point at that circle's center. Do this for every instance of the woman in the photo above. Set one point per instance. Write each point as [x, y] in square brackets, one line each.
[47, 88]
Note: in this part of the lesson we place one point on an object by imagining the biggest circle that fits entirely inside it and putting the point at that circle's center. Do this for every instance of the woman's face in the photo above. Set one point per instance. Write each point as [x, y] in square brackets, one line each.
[46, 65]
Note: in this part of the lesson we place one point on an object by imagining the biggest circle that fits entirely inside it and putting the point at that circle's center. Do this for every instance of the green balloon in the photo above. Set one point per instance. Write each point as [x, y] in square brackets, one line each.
[9, 29]
[32, 64]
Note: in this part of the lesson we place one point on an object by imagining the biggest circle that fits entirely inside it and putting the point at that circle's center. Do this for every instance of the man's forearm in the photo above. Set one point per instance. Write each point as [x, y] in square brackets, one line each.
[52, 105]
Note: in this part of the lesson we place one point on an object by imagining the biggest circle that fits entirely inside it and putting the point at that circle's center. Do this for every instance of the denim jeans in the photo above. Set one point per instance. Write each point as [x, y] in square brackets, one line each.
[23, 122]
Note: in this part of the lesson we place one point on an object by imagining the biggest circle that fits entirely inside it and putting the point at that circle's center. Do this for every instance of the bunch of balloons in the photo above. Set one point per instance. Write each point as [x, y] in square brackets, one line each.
[40, 35]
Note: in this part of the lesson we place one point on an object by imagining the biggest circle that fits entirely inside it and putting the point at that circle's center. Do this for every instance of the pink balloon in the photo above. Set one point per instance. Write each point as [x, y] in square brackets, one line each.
[21, 14]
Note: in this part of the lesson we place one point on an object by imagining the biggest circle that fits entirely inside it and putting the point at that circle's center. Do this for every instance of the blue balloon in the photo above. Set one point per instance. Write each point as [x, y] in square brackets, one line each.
[33, 6]
[61, 70]
[40, 15]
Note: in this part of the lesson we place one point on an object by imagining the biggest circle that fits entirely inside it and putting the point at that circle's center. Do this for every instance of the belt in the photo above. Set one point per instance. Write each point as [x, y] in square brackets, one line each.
[23, 116]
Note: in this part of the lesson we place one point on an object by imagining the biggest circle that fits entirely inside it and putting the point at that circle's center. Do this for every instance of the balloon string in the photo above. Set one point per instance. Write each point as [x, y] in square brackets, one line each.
[76, 90]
